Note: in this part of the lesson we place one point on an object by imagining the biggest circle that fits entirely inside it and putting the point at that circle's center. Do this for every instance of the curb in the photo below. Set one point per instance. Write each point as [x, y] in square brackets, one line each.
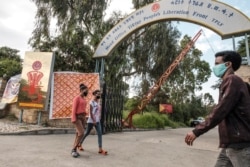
[42, 132]
[51, 131]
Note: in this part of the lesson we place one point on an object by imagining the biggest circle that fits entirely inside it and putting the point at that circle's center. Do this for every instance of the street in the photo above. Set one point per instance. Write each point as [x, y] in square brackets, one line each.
[160, 148]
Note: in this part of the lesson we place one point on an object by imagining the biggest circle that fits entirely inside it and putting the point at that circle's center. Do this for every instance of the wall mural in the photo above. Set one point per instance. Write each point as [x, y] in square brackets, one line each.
[35, 80]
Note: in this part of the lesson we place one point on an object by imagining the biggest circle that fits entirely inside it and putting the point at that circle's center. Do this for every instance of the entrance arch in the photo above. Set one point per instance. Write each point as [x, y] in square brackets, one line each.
[219, 17]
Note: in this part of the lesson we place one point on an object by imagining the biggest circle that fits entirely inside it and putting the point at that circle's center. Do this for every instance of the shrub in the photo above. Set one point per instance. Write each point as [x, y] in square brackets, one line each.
[151, 120]
[148, 121]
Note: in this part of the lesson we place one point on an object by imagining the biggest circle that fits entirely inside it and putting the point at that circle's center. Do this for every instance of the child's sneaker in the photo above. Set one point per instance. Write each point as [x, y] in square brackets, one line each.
[75, 154]
[103, 152]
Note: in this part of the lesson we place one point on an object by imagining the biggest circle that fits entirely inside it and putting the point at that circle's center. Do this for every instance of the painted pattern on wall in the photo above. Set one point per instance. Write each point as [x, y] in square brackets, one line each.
[65, 86]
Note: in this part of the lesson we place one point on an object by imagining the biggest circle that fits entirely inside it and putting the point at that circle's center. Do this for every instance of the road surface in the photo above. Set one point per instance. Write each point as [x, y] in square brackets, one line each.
[160, 148]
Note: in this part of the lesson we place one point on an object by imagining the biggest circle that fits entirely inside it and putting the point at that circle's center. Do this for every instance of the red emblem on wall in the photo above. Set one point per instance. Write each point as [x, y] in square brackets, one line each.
[155, 7]
[37, 65]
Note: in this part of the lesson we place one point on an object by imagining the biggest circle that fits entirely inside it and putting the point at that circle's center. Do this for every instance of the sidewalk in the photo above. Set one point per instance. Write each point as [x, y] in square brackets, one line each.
[8, 127]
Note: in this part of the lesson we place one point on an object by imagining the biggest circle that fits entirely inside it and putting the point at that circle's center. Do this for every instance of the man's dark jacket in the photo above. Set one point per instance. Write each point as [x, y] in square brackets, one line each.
[232, 114]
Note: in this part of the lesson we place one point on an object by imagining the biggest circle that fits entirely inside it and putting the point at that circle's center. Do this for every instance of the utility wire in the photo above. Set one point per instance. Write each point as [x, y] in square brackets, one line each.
[208, 41]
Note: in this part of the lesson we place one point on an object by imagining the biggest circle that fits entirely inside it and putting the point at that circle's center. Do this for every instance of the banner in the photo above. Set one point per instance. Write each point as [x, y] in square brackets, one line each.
[35, 80]
[11, 90]
[65, 86]
[166, 108]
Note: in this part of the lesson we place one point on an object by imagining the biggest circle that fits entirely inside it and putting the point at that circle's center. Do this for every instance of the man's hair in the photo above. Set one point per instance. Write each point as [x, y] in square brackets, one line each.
[96, 91]
[231, 56]
[82, 86]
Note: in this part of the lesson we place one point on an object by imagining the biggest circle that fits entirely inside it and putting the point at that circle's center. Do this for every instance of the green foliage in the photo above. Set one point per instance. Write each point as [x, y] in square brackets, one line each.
[151, 120]
[140, 3]
[241, 49]
[6, 52]
[150, 108]
[208, 99]
[78, 31]
[10, 62]
[190, 110]
[160, 43]
[131, 103]
[182, 112]
[148, 121]
[125, 114]
[188, 77]
[168, 122]
[75, 54]
[145, 54]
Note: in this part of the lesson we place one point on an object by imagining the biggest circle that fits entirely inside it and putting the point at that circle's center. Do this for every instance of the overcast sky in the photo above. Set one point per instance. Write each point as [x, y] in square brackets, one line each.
[17, 18]
[16, 23]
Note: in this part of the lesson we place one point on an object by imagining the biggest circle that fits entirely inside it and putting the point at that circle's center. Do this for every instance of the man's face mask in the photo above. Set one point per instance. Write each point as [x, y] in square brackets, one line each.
[219, 70]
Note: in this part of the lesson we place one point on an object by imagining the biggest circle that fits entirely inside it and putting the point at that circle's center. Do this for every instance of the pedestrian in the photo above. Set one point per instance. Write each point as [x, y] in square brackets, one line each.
[231, 114]
[94, 120]
[78, 117]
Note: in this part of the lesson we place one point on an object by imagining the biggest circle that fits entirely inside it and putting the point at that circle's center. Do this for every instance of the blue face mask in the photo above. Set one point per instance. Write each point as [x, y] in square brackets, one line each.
[219, 70]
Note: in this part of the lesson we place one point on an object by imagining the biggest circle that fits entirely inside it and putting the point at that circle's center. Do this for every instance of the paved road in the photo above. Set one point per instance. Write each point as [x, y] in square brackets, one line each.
[163, 148]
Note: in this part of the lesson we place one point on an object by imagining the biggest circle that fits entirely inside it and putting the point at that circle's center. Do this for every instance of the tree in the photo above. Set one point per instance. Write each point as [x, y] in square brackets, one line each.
[188, 77]
[241, 48]
[9, 53]
[78, 31]
[73, 55]
[145, 54]
[154, 50]
[208, 99]
[10, 62]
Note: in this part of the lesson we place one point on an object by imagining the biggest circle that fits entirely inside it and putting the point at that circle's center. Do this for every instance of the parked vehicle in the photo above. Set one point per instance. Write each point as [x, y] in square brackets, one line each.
[197, 121]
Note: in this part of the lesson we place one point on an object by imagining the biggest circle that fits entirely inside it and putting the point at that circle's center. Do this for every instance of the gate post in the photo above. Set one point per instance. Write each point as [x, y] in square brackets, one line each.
[103, 112]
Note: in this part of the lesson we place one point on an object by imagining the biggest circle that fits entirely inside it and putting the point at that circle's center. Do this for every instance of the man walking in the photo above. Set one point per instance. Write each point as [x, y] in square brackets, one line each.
[232, 114]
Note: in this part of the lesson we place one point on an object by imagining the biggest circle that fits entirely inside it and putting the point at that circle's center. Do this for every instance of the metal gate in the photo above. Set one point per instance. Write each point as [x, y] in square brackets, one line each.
[112, 108]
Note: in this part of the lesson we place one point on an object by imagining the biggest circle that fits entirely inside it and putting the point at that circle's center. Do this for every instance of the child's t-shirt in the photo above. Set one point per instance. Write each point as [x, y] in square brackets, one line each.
[96, 110]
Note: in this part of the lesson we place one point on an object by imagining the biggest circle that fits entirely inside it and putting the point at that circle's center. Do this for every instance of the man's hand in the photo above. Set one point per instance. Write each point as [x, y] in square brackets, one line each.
[189, 139]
